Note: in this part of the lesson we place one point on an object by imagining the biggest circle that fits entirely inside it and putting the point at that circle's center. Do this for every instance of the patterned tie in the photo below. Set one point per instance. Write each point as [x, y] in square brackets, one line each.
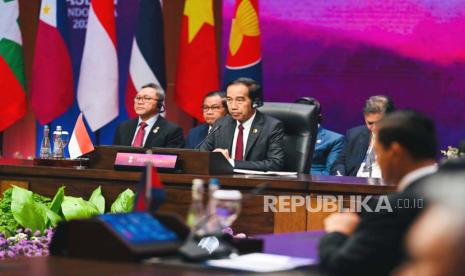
[139, 140]
[239, 143]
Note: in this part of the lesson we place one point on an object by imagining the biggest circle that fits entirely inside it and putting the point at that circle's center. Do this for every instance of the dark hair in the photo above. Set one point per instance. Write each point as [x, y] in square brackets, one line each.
[158, 90]
[411, 129]
[221, 94]
[314, 102]
[253, 87]
[379, 104]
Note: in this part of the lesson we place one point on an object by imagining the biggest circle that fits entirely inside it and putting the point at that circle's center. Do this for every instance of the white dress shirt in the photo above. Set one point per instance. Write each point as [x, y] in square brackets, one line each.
[245, 135]
[375, 170]
[415, 175]
[150, 122]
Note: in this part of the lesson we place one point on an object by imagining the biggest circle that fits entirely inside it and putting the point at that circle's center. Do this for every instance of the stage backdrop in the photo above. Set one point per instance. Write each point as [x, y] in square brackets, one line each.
[343, 51]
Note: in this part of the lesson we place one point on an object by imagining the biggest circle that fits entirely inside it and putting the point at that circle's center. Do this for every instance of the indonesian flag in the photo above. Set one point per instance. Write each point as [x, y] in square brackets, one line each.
[197, 72]
[12, 84]
[52, 75]
[80, 142]
[147, 63]
[150, 191]
[98, 80]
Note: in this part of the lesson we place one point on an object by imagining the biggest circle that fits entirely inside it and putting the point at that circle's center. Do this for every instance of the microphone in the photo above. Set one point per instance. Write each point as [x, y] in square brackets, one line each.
[206, 137]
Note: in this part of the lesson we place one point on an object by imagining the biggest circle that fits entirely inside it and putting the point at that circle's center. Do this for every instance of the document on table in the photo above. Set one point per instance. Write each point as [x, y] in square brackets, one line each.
[264, 173]
[261, 262]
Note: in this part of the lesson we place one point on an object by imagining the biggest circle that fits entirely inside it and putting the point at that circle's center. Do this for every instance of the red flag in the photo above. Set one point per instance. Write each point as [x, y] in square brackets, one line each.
[52, 78]
[150, 191]
[197, 72]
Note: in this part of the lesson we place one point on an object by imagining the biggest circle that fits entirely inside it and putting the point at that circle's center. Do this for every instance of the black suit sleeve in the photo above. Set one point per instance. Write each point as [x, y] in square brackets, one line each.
[117, 138]
[175, 138]
[274, 153]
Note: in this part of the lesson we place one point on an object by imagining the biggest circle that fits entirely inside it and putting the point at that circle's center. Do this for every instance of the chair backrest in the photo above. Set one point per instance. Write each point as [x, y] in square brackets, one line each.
[300, 130]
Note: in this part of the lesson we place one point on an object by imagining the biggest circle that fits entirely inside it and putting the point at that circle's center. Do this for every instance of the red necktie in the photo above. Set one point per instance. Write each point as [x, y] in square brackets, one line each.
[239, 143]
[139, 140]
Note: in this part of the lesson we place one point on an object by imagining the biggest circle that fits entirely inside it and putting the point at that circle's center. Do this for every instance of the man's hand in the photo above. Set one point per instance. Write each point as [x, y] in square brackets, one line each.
[342, 222]
[225, 152]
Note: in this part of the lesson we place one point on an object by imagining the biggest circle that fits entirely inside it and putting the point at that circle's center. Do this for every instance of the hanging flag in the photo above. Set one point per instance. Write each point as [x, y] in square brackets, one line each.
[52, 75]
[197, 71]
[80, 142]
[147, 63]
[150, 191]
[12, 82]
[98, 80]
[244, 54]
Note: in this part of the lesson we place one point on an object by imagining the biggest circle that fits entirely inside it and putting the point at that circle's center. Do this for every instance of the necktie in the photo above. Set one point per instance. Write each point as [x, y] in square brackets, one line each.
[239, 143]
[139, 140]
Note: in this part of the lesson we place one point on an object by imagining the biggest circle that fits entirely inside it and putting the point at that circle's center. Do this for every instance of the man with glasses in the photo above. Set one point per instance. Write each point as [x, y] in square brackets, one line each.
[149, 130]
[247, 138]
[358, 157]
[214, 107]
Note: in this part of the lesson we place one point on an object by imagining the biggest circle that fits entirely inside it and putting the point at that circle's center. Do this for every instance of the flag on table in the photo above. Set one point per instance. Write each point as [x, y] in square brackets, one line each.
[98, 80]
[52, 73]
[244, 54]
[12, 82]
[147, 63]
[80, 142]
[197, 71]
[150, 191]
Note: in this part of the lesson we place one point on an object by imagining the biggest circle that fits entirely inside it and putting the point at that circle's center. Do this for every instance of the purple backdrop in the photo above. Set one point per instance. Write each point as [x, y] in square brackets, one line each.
[342, 51]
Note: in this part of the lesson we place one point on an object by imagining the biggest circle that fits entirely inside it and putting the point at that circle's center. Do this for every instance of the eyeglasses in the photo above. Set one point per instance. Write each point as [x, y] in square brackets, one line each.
[143, 99]
[213, 108]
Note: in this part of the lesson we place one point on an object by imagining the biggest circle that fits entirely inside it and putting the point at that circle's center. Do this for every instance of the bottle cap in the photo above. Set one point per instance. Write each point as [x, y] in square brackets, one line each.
[227, 195]
[58, 127]
[214, 181]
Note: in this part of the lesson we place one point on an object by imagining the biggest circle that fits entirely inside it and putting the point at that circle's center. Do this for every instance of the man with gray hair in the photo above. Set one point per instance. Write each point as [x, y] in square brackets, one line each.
[149, 130]
[357, 157]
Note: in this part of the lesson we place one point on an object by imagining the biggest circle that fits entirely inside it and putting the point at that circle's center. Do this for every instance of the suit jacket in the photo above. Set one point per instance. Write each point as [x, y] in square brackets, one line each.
[264, 150]
[377, 244]
[163, 134]
[327, 148]
[356, 143]
[196, 135]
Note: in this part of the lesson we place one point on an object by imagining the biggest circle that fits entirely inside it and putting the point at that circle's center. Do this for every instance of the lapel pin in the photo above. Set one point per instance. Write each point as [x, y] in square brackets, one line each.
[255, 130]
[156, 129]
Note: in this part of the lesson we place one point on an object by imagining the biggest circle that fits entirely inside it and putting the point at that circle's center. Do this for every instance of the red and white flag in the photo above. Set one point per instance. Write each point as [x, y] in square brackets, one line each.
[98, 80]
[52, 75]
[80, 142]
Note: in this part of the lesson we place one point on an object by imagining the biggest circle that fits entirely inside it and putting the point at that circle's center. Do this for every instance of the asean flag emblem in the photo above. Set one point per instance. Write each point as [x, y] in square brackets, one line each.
[244, 42]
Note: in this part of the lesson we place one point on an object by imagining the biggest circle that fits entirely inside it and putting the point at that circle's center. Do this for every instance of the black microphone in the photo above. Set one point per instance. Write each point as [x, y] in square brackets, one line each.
[206, 137]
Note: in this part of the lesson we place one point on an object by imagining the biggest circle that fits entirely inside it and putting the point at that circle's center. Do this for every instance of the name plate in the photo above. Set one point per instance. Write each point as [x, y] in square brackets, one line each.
[138, 160]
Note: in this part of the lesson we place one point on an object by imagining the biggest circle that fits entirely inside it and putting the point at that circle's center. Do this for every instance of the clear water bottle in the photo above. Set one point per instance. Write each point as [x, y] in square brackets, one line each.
[196, 211]
[45, 148]
[58, 149]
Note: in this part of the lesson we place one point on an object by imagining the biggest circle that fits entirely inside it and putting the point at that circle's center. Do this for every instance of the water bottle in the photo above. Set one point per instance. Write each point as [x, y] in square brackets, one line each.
[196, 211]
[45, 149]
[57, 143]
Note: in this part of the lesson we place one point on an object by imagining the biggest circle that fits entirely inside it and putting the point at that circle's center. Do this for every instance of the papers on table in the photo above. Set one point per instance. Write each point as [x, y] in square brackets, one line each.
[261, 262]
[264, 173]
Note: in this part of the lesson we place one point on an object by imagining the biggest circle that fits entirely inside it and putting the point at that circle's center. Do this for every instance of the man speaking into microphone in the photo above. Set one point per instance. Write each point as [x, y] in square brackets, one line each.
[247, 138]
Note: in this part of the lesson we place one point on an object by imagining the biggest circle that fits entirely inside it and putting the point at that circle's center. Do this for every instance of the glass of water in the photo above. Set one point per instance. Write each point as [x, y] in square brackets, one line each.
[227, 206]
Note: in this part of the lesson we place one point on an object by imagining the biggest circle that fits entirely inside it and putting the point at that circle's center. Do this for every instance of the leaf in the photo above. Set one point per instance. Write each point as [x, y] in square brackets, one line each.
[124, 202]
[27, 212]
[55, 205]
[76, 208]
[98, 200]
[52, 218]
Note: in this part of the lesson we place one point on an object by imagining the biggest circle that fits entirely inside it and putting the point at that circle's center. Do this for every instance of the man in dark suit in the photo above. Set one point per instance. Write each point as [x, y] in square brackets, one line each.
[357, 157]
[254, 139]
[214, 107]
[328, 143]
[372, 243]
[150, 129]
